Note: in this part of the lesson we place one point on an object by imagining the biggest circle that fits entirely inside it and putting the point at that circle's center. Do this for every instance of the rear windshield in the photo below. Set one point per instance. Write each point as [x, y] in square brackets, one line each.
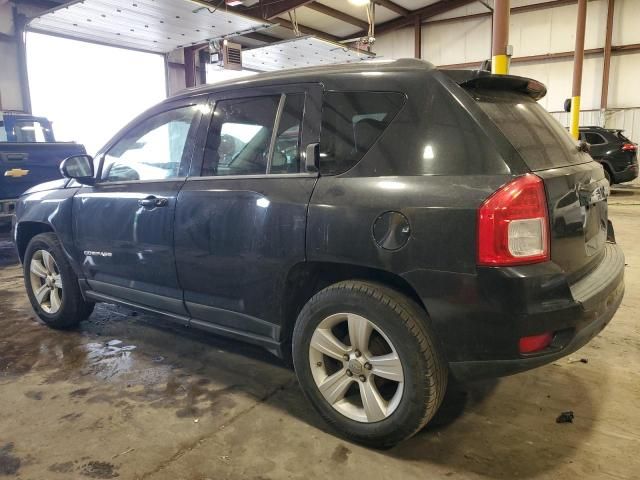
[351, 123]
[539, 138]
[618, 133]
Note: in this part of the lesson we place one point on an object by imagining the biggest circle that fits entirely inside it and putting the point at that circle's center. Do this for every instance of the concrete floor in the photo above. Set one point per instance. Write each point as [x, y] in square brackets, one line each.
[132, 397]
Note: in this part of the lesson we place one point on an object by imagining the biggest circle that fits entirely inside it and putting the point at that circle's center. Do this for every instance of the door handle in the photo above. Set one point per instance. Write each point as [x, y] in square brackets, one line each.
[14, 157]
[151, 202]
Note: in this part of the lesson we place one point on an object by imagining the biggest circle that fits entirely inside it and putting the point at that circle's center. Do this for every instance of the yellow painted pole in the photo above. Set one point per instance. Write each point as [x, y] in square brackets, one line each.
[574, 127]
[500, 37]
[500, 64]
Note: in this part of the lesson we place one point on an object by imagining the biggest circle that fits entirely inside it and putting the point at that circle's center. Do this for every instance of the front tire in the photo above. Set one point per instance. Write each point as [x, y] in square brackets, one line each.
[366, 358]
[52, 285]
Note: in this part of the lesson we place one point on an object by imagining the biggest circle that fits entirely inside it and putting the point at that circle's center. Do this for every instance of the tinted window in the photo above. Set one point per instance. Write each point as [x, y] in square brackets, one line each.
[286, 152]
[351, 123]
[155, 149]
[593, 138]
[539, 138]
[240, 136]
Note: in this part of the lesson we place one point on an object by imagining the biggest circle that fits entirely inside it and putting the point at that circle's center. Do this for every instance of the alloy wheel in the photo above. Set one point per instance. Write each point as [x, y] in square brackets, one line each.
[46, 281]
[356, 367]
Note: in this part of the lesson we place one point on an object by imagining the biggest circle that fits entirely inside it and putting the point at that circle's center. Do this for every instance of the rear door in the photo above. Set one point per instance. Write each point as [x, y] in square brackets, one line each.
[123, 226]
[598, 144]
[575, 185]
[241, 215]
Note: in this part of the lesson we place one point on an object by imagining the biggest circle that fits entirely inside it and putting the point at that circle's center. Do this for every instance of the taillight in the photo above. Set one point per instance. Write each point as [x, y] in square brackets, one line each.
[513, 224]
[629, 147]
[535, 343]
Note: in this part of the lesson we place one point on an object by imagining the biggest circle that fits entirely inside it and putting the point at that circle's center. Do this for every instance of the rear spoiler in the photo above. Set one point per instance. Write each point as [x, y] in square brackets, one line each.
[487, 81]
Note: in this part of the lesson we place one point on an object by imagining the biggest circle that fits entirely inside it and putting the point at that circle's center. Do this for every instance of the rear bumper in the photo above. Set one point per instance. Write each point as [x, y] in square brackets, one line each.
[628, 174]
[498, 368]
[480, 331]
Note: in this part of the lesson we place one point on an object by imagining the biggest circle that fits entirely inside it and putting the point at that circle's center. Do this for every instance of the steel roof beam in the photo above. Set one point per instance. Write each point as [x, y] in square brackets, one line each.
[338, 15]
[394, 7]
[269, 9]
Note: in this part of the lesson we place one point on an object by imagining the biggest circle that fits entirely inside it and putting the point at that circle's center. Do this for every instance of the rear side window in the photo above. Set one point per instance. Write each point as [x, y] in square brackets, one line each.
[240, 136]
[593, 138]
[538, 137]
[351, 124]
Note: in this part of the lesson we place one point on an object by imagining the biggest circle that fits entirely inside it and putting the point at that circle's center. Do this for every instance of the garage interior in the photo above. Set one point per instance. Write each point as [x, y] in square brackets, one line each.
[129, 395]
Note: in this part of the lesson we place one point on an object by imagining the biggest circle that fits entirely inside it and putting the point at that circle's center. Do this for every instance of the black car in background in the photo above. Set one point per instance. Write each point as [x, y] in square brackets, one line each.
[382, 225]
[615, 152]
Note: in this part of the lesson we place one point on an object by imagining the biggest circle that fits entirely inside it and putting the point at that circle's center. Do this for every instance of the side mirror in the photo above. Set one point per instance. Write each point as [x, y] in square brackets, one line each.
[78, 168]
[584, 146]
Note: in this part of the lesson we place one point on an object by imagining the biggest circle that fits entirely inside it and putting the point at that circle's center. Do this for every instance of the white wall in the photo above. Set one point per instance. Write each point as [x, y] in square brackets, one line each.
[539, 32]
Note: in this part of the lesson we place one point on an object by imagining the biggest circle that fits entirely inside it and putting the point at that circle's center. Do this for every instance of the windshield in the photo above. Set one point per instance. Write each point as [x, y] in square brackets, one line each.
[538, 137]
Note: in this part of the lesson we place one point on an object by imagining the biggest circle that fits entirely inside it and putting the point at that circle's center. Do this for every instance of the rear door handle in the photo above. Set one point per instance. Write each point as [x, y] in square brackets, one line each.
[152, 201]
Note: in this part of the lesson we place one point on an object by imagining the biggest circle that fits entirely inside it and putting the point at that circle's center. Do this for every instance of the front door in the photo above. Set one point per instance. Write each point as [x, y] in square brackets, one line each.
[241, 216]
[123, 226]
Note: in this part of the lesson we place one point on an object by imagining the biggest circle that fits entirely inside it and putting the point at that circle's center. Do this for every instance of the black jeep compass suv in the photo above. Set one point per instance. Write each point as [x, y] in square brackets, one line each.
[382, 225]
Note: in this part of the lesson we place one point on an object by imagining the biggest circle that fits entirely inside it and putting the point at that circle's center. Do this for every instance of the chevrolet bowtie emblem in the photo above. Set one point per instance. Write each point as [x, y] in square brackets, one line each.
[16, 172]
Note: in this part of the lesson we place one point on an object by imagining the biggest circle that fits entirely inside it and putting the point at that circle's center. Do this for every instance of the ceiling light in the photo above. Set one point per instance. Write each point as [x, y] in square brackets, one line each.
[359, 3]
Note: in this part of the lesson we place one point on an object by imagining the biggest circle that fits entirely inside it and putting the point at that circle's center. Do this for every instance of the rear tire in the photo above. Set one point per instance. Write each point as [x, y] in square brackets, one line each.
[607, 175]
[52, 285]
[394, 378]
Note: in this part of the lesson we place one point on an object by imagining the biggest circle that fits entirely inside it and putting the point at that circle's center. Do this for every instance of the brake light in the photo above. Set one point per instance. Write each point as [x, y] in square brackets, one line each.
[629, 147]
[535, 343]
[513, 224]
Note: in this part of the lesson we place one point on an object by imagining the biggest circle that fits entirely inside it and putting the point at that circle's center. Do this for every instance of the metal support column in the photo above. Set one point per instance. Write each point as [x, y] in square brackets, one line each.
[418, 37]
[577, 69]
[190, 67]
[500, 37]
[19, 23]
[606, 67]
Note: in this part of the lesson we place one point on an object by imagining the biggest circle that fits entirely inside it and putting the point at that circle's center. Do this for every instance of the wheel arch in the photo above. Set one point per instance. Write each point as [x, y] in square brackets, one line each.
[606, 164]
[25, 231]
[305, 279]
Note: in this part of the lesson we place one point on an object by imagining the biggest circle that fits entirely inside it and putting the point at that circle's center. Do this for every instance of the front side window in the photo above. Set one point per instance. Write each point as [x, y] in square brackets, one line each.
[240, 136]
[351, 124]
[155, 149]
